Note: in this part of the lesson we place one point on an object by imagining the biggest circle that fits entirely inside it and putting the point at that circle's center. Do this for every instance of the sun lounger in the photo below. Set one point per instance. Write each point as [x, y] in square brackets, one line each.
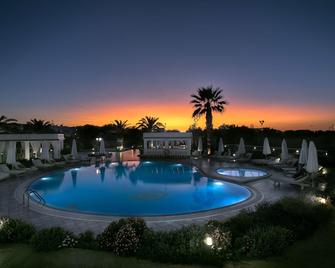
[244, 158]
[38, 163]
[56, 163]
[261, 162]
[20, 166]
[300, 181]
[4, 168]
[290, 163]
[4, 175]
[69, 159]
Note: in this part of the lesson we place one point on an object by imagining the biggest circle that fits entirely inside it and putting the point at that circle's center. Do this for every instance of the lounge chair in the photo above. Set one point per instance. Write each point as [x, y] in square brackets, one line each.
[38, 163]
[69, 159]
[244, 158]
[56, 163]
[4, 175]
[20, 166]
[300, 181]
[288, 164]
[85, 159]
[262, 162]
[4, 168]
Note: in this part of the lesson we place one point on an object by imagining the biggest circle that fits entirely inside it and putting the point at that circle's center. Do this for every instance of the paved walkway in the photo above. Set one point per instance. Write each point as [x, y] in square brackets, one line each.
[11, 204]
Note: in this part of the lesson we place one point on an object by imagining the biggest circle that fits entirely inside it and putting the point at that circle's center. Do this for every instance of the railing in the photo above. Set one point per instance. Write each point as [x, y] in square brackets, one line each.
[27, 195]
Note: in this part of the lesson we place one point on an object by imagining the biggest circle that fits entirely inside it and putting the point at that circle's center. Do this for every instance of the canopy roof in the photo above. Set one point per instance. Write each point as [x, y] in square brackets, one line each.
[167, 135]
[31, 137]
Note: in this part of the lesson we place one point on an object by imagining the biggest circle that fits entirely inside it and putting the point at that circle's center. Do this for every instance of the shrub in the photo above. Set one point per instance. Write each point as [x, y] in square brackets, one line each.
[187, 245]
[178, 245]
[126, 241]
[68, 242]
[49, 239]
[15, 230]
[241, 223]
[115, 235]
[87, 240]
[296, 215]
[263, 242]
[301, 217]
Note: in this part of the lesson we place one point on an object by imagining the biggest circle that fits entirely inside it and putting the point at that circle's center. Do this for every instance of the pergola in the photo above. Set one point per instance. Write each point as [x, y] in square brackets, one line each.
[167, 144]
[37, 144]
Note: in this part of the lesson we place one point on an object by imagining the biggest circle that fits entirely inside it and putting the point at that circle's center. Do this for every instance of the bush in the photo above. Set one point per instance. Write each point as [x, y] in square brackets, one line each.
[68, 242]
[126, 241]
[241, 223]
[187, 245]
[263, 242]
[15, 231]
[116, 238]
[49, 239]
[178, 245]
[301, 217]
[87, 240]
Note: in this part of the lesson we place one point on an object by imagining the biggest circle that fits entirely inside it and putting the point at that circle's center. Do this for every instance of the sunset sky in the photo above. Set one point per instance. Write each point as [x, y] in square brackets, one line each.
[90, 62]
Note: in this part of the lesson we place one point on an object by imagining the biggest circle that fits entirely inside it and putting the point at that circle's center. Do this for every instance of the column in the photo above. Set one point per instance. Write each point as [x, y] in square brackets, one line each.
[26, 150]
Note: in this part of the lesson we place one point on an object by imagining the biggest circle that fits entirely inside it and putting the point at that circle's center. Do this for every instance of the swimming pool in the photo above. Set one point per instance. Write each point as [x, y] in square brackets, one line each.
[242, 172]
[136, 188]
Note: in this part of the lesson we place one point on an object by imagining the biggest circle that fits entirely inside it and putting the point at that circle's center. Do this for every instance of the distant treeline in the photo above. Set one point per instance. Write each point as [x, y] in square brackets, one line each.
[324, 140]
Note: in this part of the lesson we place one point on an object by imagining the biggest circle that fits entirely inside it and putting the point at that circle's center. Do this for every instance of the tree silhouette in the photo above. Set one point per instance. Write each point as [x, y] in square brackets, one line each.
[206, 101]
[149, 123]
[37, 125]
[7, 124]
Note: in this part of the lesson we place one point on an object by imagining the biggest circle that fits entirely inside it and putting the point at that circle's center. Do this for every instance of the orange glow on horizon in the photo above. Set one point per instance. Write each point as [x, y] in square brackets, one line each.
[177, 115]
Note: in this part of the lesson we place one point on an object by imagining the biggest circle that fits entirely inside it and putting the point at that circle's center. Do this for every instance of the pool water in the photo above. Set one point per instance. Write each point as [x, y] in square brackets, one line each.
[242, 172]
[137, 188]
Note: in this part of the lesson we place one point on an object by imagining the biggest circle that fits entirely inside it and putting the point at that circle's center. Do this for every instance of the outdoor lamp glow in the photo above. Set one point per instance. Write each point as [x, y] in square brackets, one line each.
[208, 241]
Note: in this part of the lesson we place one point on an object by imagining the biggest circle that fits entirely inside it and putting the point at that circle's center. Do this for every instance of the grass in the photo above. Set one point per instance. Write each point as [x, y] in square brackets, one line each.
[317, 251]
[17, 255]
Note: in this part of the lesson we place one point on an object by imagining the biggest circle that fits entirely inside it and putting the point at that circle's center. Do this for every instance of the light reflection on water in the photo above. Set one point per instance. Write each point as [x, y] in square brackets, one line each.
[135, 188]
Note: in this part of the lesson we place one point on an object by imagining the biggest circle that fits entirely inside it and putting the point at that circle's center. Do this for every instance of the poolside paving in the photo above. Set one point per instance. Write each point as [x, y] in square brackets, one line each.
[11, 204]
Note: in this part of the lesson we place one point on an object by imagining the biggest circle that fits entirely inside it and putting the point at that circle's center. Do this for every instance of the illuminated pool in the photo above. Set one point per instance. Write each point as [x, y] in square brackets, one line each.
[242, 172]
[136, 188]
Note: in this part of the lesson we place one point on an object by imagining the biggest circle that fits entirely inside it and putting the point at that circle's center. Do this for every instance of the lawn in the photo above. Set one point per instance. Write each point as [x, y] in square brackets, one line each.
[317, 251]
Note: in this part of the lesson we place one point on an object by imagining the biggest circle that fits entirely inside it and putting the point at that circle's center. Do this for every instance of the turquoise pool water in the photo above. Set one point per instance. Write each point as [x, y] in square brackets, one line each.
[137, 188]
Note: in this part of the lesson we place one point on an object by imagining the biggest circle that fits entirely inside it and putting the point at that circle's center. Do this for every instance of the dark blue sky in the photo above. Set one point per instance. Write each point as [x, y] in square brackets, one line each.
[60, 60]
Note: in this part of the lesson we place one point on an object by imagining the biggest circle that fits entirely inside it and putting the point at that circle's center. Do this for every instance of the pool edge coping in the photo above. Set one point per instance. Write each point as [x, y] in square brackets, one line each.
[256, 197]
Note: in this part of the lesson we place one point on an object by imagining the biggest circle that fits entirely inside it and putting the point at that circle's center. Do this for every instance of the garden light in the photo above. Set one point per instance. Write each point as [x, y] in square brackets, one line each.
[2, 222]
[208, 241]
[319, 199]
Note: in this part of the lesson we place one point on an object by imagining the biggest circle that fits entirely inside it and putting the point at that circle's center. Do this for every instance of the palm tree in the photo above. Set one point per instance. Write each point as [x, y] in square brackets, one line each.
[37, 125]
[6, 124]
[120, 125]
[150, 123]
[205, 102]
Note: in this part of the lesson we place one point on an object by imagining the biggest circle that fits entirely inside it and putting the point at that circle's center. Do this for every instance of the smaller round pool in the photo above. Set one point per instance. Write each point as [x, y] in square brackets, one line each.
[242, 172]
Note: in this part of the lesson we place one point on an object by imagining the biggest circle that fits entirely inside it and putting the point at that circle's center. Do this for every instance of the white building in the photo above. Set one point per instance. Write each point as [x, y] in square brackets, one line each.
[167, 144]
[33, 145]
